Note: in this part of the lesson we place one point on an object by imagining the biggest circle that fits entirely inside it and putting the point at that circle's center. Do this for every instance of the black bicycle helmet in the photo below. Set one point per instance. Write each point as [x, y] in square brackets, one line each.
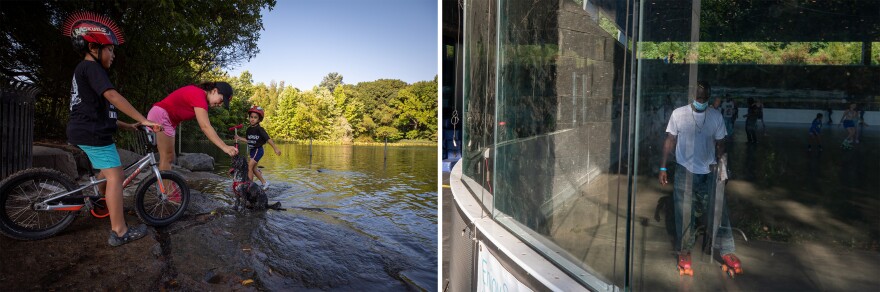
[86, 27]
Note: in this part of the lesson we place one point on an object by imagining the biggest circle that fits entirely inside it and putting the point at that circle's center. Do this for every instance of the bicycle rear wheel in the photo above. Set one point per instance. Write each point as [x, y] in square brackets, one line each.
[158, 210]
[18, 195]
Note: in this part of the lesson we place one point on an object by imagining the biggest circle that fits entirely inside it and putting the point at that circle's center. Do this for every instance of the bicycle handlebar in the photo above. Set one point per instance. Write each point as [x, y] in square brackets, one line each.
[146, 129]
[150, 136]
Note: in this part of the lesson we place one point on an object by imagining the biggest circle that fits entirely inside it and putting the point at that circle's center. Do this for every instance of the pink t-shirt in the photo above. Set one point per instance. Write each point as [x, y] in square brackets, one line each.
[181, 103]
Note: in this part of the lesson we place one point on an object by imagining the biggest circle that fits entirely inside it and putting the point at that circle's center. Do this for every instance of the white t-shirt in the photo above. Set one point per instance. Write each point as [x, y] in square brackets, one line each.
[727, 109]
[696, 134]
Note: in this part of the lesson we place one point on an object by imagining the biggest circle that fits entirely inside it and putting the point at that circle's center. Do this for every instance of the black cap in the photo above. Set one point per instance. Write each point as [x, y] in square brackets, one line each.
[226, 90]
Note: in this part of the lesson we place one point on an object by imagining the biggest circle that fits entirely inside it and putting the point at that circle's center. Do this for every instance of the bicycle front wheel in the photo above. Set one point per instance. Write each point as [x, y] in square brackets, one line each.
[156, 209]
[20, 192]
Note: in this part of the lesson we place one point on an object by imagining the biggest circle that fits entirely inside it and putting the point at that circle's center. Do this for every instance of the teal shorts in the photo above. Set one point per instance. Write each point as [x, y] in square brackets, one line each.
[102, 157]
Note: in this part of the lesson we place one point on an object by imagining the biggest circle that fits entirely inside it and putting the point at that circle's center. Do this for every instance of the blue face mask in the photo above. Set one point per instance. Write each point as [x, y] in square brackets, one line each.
[700, 106]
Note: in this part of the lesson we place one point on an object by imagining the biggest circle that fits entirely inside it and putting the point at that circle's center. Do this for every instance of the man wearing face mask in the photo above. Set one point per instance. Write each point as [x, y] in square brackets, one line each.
[696, 132]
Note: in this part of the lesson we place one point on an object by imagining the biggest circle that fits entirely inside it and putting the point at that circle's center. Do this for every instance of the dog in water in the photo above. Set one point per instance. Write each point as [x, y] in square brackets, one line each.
[246, 191]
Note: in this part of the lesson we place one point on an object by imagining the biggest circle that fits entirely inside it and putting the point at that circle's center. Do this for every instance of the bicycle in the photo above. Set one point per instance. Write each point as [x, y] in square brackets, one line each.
[38, 203]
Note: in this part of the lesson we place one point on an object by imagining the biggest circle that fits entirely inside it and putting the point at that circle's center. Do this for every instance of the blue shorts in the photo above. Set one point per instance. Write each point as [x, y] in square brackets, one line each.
[102, 157]
[256, 153]
[848, 124]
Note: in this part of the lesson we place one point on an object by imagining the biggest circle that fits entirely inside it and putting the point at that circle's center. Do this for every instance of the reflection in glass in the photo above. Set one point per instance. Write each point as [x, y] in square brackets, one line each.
[809, 214]
[558, 135]
[567, 104]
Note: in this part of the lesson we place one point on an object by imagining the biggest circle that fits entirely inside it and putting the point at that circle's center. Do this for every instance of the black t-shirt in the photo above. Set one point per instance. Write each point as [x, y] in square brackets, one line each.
[256, 136]
[92, 118]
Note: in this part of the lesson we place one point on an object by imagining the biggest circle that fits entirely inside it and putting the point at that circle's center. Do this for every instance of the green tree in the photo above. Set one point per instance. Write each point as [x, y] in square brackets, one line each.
[376, 97]
[312, 119]
[164, 40]
[331, 81]
[342, 129]
[274, 90]
[353, 111]
[417, 107]
[384, 132]
[281, 124]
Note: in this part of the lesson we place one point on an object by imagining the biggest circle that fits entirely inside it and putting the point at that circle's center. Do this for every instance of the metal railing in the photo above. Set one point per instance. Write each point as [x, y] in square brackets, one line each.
[16, 125]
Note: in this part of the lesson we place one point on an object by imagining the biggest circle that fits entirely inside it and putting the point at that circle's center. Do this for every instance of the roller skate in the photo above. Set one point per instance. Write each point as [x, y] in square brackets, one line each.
[684, 264]
[731, 265]
[846, 145]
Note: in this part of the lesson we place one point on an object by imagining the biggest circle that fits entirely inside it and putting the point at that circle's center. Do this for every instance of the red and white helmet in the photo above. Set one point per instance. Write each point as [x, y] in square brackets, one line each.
[257, 110]
[86, 27]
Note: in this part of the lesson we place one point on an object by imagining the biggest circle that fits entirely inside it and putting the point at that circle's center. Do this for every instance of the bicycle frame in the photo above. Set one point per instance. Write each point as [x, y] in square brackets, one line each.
[149, 160]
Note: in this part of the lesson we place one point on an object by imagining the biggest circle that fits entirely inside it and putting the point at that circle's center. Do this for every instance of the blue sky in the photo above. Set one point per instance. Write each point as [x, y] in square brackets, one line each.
[303, 40]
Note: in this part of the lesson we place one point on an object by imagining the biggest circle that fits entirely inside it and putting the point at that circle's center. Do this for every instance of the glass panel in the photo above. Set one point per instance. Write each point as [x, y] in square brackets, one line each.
[560, 111]
[479, 95]
[802, 188]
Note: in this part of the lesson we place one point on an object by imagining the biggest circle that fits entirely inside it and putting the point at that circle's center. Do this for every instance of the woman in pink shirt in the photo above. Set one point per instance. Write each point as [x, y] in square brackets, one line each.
[186, 103]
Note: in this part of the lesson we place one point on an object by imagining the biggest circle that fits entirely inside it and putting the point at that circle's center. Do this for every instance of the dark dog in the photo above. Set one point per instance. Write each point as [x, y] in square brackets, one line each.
[247, 191]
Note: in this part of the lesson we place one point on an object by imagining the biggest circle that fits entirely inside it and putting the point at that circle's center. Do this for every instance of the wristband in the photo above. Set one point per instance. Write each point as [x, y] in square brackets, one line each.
[662, 169]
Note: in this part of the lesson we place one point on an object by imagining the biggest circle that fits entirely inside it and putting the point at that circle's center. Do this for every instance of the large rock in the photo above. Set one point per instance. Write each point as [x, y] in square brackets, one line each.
[55, 158]
[128, 157]
[82, 161]
[196, 161]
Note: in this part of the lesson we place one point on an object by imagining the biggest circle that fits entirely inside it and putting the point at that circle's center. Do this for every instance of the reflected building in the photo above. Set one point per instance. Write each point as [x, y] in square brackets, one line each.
[564, 105]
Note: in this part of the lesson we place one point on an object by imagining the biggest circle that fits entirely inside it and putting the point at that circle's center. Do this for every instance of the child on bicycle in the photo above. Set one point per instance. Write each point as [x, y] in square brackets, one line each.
[256, 137]
[93, 117]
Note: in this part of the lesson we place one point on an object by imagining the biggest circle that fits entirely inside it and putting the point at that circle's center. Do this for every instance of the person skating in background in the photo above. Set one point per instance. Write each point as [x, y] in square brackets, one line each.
[761, 117]
[728, 111]
[752, 121]
[256, 138]
[862, 125]
[848, 122]
[829, 111]
[696, 133]
[815, 130]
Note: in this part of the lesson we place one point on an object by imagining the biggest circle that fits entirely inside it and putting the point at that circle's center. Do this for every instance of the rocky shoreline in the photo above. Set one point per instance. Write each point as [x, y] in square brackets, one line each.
[79, 257]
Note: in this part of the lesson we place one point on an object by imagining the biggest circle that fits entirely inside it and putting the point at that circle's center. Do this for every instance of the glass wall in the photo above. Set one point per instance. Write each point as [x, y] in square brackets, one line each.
[546, 122]
[558, 135]
[565, 126]
[479, 96]
[808, 206]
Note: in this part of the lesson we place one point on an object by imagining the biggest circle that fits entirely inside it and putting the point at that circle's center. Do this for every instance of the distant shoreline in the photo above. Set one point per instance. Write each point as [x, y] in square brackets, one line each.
[321, 142]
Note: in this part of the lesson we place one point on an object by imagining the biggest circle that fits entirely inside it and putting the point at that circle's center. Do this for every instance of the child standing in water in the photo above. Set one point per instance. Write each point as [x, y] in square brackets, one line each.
[256, 137]
[815, 129]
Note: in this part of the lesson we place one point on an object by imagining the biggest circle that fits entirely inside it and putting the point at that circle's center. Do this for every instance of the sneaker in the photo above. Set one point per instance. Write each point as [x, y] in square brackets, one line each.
[133, 233]
[266, 186]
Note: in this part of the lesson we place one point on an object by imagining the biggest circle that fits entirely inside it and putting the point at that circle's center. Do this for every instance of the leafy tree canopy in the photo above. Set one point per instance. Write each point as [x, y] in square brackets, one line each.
[168, 44]
[172, 43]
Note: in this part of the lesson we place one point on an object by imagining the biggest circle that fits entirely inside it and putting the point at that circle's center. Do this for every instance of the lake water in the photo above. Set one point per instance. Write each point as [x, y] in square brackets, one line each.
[376, 227]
